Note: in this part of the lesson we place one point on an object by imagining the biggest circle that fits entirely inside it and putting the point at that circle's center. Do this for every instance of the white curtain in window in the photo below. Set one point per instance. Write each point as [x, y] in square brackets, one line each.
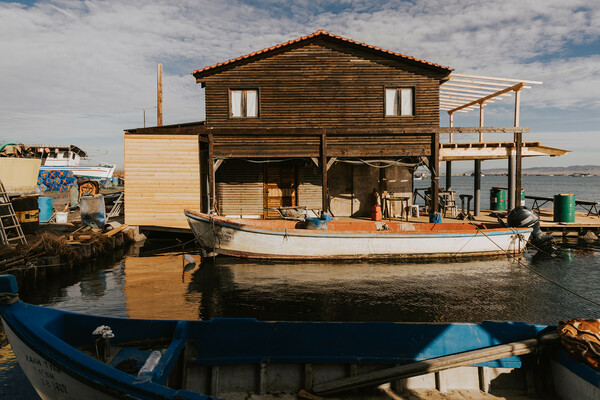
[391, 102]
[236, 103]
[406, 101]
[251, 103]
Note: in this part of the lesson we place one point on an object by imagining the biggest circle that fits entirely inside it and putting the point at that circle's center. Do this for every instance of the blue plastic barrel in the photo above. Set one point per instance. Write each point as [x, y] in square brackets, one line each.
[45, 205]
[115, 181]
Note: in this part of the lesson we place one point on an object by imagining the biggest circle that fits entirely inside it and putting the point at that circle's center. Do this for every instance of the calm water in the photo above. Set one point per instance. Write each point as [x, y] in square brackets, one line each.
[154, 286]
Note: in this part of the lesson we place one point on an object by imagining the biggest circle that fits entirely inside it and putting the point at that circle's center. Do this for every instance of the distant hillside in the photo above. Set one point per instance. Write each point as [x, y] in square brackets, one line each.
[573, 169]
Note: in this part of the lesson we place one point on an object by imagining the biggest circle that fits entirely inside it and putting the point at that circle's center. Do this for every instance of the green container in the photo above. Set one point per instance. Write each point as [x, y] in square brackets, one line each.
[498, 198]
[564, 208]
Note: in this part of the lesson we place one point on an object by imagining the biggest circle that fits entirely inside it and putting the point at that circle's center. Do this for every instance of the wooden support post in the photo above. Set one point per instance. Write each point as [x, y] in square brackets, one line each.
[324, 190]
[518, 169]
[203, 165]
[448, 175]
[477, 169]
[481, 119]
[511, 181]
[477, 189]
[449, 163]
[451, 137]
[434, 167]
[211, 172]
[519, 150]
[159, 114]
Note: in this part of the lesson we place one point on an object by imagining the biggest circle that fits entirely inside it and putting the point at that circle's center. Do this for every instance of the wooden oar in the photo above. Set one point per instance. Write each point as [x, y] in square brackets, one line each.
[433, 365]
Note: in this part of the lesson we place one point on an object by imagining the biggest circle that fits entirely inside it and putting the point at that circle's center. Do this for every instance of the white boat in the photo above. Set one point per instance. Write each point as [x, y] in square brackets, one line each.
[283, 239]
[69, 159]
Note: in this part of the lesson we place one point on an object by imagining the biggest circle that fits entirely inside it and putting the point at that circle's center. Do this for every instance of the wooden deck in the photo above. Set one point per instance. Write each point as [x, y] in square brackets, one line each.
[583, 223]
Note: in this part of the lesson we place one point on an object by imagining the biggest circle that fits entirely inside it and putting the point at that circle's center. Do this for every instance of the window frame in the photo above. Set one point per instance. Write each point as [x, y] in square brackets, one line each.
[243, 104]
[398, 89]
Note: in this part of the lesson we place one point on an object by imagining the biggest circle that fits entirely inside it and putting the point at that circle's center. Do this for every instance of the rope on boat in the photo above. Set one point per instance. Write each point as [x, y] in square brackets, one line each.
[6, 299]
[166, 248]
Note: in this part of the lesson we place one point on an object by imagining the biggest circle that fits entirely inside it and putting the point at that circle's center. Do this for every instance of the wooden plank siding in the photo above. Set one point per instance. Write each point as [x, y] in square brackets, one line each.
[161, 179]
[309, 146]
[323, 85]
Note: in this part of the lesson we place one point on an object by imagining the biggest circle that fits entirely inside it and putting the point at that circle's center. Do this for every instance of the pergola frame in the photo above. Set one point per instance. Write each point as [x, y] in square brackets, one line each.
[463, 93]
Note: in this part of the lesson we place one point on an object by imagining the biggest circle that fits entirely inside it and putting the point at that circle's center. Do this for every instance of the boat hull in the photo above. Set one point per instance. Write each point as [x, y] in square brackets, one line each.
[247, 239]
[95, 172]
[50, 380]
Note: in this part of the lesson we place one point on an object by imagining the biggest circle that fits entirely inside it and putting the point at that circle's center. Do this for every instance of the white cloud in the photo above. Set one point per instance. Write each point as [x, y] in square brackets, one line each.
[76, 71]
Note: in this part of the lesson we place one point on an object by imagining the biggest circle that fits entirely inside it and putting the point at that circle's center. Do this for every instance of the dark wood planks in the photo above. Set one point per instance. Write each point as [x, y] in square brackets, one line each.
[323, 85]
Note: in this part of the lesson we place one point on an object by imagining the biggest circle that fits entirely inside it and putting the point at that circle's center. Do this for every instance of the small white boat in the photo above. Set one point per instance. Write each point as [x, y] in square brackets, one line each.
[282, 239]
[64, 159]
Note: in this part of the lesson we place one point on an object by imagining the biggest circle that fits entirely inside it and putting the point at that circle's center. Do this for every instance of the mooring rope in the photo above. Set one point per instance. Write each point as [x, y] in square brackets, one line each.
[539, 274]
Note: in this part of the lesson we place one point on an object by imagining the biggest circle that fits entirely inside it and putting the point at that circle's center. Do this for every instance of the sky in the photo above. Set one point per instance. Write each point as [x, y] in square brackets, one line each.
[79, 72]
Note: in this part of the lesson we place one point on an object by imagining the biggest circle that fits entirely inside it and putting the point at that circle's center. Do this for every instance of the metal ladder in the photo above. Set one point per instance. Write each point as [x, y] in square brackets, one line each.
[8, 220]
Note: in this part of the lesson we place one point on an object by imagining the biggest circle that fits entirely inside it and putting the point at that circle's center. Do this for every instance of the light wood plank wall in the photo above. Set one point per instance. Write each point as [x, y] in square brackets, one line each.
[161, 179]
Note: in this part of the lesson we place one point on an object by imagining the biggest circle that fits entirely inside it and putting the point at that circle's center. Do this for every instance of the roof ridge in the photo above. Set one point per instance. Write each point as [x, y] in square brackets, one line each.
[314, 34]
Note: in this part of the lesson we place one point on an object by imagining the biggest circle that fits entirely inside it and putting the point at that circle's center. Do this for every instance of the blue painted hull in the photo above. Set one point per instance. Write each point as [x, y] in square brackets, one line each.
[58, 353]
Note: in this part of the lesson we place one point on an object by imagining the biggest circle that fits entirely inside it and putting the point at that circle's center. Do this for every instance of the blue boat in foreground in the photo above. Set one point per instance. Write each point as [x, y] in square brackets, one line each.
[73, 356]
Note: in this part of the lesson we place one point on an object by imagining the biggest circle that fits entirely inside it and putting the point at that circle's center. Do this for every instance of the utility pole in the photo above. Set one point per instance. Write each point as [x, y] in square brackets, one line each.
[144, 110]
[159, 114]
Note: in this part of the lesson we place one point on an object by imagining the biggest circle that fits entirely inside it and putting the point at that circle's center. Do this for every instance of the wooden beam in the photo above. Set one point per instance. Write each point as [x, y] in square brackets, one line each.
[324, 189]
[473, 86]
[461, 97]
[211, 172]
[516, 87]
[434, 167]
[494, 78]
[360, 131]
[331, 161]
[170, 130]
[456, 90]
[519, 149]
[203, 166]
[431, 365]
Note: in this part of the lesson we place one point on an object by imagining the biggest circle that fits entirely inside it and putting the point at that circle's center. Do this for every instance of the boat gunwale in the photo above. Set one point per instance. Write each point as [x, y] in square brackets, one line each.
[227, 222]
[81, 367]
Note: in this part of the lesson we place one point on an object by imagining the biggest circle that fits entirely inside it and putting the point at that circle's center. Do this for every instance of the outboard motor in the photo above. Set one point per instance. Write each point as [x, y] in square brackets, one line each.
[522, 217]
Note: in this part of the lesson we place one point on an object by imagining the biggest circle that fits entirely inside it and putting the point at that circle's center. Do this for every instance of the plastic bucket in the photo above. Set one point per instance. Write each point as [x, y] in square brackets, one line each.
[564, 208]
[316, 223]
[498, 198]
[61, 217]
[93, 210]
[45, 206]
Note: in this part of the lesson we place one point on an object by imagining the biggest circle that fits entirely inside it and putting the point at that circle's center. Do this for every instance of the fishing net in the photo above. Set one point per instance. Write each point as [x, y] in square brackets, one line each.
[581, 339]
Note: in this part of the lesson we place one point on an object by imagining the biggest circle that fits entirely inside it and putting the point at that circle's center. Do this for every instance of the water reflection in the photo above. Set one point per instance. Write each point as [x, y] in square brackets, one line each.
[461, 291]
[155, 287]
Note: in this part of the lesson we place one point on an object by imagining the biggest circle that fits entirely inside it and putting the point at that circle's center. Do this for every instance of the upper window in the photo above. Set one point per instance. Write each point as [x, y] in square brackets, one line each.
[244, 103]
[399, 101]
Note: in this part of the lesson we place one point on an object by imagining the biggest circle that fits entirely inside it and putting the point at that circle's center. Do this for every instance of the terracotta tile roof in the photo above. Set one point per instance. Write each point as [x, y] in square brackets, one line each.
[312, 35]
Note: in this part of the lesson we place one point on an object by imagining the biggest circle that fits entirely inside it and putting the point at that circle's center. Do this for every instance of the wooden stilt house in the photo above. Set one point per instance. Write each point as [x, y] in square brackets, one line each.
[322, 121]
